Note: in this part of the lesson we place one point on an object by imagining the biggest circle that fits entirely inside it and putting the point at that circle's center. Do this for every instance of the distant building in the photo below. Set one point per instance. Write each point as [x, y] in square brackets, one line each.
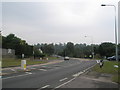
[7, 53]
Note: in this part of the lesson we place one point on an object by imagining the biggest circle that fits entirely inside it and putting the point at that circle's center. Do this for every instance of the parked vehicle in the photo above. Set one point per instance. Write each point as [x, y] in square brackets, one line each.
[113, 58]
[66, 58]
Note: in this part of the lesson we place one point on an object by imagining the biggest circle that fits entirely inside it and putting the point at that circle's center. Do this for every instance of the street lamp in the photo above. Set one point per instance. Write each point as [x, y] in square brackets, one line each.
[115, 30]
[91, 45]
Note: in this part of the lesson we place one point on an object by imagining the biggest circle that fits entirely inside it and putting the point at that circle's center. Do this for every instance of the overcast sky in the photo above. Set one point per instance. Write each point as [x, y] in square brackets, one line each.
[54, 21]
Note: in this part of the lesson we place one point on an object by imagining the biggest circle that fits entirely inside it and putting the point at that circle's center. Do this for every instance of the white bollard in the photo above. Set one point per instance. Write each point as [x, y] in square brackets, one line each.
[23, 64]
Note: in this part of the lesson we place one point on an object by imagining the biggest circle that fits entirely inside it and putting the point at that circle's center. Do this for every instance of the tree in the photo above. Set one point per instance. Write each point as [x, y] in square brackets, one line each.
[107, 49]
[48, 49]
[69, 49]
[20, 46]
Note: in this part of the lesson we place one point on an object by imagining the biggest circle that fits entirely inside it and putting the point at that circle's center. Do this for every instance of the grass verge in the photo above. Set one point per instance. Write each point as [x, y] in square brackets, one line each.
[9, 62]
[52, 58]
[109, 68]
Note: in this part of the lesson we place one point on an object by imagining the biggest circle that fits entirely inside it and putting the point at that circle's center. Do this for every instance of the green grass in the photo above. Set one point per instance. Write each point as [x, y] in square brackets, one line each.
[109, 68]
[8, 62]
[52, 58]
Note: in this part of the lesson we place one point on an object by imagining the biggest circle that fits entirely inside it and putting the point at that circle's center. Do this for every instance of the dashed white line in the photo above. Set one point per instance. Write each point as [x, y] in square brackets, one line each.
[64, 83]
[45, 86]
[63, 79]
[28, 72]
[42, 69]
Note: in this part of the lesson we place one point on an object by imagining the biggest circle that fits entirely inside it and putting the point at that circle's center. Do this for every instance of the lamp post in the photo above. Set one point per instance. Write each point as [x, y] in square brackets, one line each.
[115, 30]
[91, 45]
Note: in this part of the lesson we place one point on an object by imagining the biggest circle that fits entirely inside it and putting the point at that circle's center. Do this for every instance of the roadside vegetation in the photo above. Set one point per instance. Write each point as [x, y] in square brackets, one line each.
[10, 62]
[45, 50]
[109, 68]
[40, 50]
[52, 58]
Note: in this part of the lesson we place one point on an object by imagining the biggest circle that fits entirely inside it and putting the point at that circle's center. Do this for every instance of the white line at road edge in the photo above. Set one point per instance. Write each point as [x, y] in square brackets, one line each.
[88, 68]
[74, 77]
[45, 86]
[16, 76]
[63, 79]
[81, 72]
[77, 74]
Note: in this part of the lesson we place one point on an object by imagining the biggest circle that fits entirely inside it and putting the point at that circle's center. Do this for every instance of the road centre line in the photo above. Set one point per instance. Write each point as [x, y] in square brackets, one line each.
[28, 72]
[42, 69]
[16, 76]
[45, 86]
[65, 83]
[63, 79]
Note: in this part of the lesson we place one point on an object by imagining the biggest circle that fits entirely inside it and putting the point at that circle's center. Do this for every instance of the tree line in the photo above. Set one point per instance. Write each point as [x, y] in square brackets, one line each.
[67, 49]
[20, 46]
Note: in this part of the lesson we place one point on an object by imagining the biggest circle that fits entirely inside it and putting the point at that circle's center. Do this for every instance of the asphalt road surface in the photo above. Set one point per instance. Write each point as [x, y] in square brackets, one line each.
[47, 76]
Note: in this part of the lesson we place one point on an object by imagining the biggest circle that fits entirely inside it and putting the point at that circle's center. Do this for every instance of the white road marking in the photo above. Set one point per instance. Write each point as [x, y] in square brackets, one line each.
[13, 70]
[84, 70]
[77, 74]
[42, 69]
[90, 67]
[65, 83]
[63, 79]
[28, 72]
[45, 86]
[16, 76]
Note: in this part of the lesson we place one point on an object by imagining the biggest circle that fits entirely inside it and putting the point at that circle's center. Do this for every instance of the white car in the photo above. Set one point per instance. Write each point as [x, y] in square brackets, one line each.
[66, 58]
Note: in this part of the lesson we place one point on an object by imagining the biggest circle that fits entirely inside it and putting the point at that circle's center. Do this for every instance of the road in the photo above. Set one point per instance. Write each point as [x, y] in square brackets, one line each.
[47, 76]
